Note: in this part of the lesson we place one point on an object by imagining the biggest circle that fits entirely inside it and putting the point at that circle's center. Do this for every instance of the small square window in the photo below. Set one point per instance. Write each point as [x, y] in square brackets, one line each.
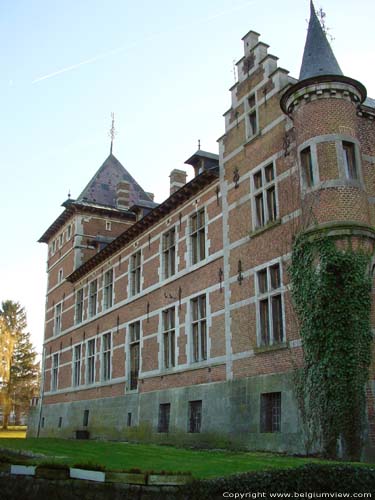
[251, 101]
[108, 225]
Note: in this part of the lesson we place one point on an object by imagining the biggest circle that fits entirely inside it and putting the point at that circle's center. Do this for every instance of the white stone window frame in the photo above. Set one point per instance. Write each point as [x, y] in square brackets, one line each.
[77, 362]
[108, 225]
[61, 239]
[166, 251]
[108, 290]
[55, 372]
[106, 354]
[266, 185]
[268, 295]
[90, 356]
[90, 312]
[57, 323]
[79, 306]
[168, 330]
[315, 166]
[342, 163]
[135, 273]
[129, 342]
[199, 321]
[249, 110]
[199, 231]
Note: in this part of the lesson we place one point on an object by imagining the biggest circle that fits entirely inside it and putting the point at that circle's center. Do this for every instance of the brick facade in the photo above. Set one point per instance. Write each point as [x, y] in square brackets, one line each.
[253, 201]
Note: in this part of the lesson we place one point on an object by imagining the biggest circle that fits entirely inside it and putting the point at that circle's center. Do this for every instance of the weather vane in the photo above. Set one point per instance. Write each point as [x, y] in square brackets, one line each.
[112, 131]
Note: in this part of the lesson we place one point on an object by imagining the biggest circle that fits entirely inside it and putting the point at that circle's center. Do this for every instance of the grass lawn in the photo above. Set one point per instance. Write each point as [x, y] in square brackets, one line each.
[18, 432]
[121, 455]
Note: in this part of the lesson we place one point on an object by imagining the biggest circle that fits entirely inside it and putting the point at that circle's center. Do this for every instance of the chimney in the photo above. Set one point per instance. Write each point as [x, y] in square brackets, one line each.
[123, 194]
[178, 179]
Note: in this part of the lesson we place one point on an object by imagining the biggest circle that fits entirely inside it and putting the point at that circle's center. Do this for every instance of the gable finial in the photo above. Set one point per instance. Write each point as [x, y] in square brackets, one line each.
[112, 131]
[199, 144]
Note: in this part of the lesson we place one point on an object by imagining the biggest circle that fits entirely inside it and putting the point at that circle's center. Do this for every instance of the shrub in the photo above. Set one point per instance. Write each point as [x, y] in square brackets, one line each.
[308, 478]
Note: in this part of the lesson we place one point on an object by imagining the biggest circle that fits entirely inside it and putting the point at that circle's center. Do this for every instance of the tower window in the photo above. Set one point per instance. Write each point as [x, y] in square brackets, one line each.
[307, 167]
[350, 164]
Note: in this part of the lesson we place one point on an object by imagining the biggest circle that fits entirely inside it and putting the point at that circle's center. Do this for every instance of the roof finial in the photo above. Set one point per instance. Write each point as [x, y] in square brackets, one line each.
[199, 144]
[112, 131]
[69, 194]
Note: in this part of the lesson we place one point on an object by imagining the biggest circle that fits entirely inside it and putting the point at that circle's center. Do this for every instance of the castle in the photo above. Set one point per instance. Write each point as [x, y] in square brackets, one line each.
[178, 315]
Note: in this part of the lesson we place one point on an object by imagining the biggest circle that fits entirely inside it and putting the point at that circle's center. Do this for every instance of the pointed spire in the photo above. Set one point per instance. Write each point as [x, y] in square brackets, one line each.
[112, 132]
[318, 57]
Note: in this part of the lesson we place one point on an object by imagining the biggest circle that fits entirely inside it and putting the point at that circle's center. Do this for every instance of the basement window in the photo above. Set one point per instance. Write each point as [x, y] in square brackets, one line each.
[164, 413]
[195, 416]
[60, 422]
[270, 412]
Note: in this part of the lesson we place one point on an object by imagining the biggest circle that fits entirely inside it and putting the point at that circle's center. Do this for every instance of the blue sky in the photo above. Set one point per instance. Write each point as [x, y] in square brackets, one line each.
[164, 68]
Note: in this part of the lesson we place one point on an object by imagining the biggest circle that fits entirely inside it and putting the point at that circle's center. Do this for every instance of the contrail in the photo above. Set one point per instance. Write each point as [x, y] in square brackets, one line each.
[122, 49]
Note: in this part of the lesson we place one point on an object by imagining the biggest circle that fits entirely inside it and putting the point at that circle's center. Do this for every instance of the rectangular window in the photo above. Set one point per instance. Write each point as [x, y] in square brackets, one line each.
[199, 328]
[270, 412]
[169, 253]
[58, 310]
[93, 298]
[69, 232]
[265, 206]
[198, 236]
[60, 276]
[252, 116]
[55, 372]
[60, 422]
[106, 356]
[108, 289]
[53, 247]
[270, 310]
[169, 337]
[307, 167]
[129, 420]
[77, 365]
[164, 413]
[135, 273]
[79, 306]
[108, 225]
[195, 416]
[134, 334]
[349, 160]
[90, 377]
[61, 240]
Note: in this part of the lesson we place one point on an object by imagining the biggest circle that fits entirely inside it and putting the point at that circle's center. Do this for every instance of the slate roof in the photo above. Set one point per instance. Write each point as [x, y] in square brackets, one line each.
[102, 187]
[318, 57]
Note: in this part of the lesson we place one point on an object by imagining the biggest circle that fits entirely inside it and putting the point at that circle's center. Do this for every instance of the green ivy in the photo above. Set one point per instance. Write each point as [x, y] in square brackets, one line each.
[331, 294]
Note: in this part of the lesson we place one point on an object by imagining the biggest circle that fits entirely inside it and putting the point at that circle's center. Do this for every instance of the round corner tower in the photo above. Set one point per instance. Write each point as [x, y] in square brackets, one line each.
[323, 106]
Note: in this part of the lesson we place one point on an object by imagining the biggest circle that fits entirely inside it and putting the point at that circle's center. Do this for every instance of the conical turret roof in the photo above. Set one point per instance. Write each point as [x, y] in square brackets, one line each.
[318, 57]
